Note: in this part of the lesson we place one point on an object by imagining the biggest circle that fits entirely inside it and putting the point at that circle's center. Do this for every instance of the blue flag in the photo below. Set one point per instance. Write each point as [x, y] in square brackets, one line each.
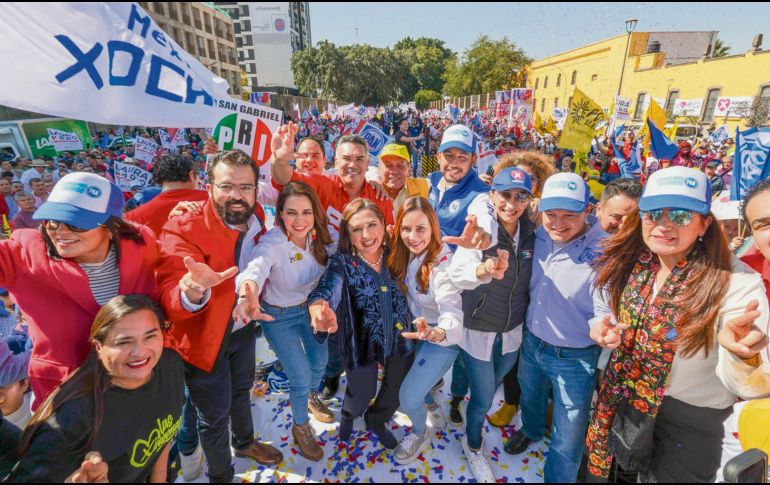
[633, 164]
[720, 135]
[660, 146]
[752, 160]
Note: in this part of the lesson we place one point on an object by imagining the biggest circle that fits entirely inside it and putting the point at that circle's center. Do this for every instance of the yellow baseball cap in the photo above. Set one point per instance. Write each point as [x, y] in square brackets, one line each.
[395, 150]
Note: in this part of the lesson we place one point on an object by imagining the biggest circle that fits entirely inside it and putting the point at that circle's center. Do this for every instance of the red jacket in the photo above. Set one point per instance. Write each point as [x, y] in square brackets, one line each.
[154, 214]
[198, 336]
[56, 299]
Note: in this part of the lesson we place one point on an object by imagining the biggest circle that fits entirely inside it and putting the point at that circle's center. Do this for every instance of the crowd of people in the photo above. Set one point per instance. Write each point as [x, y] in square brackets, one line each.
[614, 311]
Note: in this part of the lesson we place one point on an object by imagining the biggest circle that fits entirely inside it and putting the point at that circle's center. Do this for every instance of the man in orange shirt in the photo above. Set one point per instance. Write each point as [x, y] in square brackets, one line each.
[334, 191]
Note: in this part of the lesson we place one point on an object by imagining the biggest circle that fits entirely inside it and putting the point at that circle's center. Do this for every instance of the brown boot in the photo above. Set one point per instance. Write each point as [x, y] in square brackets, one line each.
[262, 453]
[304, 437]
[319, 410]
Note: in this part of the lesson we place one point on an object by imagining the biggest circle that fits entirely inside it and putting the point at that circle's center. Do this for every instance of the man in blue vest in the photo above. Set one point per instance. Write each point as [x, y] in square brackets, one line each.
[466, 217]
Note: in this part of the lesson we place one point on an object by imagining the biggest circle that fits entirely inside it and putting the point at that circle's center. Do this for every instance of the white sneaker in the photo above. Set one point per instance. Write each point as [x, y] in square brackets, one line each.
[411, 446]
[436, 417]
[478, 463]
[192, 465]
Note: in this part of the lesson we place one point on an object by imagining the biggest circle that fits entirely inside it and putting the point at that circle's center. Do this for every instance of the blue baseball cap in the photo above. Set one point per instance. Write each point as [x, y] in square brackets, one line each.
[677, 188]
[458, 136]
[84, 200]
[511, 179]
[565, 191]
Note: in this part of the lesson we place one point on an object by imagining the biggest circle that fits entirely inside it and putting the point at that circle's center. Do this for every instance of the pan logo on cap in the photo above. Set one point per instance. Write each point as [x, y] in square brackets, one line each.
[94, 192]
[572, 186]
[517, 176]
[691, 182]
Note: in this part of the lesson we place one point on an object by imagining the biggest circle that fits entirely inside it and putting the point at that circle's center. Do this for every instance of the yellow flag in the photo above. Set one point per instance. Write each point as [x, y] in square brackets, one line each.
[671, 132]
[581, 162]
[657, 115]
[550, 126]
[580, 128]
[539, 123]
[6, 226]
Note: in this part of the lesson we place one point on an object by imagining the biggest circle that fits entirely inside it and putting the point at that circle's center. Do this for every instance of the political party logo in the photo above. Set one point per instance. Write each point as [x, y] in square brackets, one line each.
[280, 24]
[375, 137]
[724, 104]
[691, 182]
[81, 188]
[517, 176]
[94, 192]
[526, 254]
[563, 185]
[588, 256]
[454, 206]
[572, 186]
[248, 133]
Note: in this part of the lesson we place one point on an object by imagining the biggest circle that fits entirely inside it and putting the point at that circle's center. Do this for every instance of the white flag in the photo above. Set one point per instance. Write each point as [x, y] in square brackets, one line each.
[106, 63]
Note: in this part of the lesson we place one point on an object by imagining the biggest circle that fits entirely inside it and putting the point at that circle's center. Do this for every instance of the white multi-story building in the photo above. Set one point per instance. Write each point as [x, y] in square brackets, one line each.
[266, 36]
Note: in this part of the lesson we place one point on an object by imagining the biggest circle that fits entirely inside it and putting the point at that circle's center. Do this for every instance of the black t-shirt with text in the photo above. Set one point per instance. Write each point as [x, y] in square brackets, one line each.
[137, 425]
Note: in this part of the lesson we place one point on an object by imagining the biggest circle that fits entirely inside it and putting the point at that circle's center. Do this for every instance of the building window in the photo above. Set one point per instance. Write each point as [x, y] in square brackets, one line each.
[555, 102]
[558, 80]
[574, 77]
[671, 100]
[244, 10]
[711, 104]
[569, 103]
[537, 83]
[594, 77]
[159, 7]
[207, 22]
[212, 50]
[202, 47]
[172, 11]
[639, 106]
[545, 83]
[246, 26]
[542, 105]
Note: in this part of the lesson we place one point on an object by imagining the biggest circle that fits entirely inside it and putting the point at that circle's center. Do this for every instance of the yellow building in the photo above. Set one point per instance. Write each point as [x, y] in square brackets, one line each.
[674, 68]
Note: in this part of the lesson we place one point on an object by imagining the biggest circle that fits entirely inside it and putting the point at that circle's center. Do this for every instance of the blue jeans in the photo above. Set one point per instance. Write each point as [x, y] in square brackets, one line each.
[302, 356]
[487, 377]
[430, 364]
[460, 385]
[571, 373]
[187, 438]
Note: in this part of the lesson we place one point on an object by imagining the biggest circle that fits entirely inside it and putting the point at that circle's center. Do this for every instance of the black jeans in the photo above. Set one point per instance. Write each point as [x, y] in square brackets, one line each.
[511, 386]
[362, 387]
[222, 399]
[334, 364]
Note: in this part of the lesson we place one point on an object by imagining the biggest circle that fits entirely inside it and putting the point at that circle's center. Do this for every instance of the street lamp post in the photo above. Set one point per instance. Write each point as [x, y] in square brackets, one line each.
[630, 26]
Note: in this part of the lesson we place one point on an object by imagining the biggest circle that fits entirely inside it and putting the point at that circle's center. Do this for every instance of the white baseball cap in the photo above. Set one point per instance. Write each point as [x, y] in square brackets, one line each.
[565, 191]
[677, 188]
[458, 136]
[83, 200]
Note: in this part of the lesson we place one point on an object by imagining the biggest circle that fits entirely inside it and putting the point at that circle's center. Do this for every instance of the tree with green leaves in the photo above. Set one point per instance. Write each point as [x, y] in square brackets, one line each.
[485, 67]
[426, 58]
[424, 97]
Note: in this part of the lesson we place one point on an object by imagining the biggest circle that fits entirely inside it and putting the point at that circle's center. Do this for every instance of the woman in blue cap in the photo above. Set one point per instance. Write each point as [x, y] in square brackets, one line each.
[83, 255]
[688, 322]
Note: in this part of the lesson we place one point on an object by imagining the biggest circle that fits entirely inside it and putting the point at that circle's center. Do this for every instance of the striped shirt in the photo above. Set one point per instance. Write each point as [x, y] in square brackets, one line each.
[104, 278]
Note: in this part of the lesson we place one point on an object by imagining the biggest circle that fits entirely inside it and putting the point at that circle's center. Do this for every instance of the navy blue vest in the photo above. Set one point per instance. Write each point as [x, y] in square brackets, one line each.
[453, 208]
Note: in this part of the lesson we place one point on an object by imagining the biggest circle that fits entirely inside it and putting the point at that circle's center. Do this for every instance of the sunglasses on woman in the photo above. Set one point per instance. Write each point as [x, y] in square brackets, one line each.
[679, 217]
[55, 225]
[519, 197]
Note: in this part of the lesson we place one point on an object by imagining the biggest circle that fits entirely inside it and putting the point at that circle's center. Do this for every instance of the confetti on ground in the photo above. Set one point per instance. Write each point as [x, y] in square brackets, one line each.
[364, 460]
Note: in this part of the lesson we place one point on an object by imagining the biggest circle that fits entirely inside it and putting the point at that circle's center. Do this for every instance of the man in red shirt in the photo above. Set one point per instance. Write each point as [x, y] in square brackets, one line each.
[179, 181]
[334, 191]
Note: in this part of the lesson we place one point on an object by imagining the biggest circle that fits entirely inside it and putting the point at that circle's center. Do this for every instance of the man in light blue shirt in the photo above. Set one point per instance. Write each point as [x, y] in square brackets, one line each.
[558, 353]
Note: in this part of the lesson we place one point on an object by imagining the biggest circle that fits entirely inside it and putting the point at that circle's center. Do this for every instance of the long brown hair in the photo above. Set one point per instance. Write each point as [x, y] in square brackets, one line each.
[117, 227]
[322, 238]
[398, 261]
[707, 283]
[354, 207]
[91, 379]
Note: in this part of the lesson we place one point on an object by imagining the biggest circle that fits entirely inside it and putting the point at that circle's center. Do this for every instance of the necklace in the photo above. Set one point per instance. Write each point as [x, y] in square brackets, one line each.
[372, 265]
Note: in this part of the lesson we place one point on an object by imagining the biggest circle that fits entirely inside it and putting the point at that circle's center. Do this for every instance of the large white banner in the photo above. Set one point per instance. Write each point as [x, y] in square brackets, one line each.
[733, 107]
[106, 63]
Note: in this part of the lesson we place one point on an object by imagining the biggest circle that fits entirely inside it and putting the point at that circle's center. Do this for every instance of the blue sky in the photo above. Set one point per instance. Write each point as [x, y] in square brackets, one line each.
[541, 29]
